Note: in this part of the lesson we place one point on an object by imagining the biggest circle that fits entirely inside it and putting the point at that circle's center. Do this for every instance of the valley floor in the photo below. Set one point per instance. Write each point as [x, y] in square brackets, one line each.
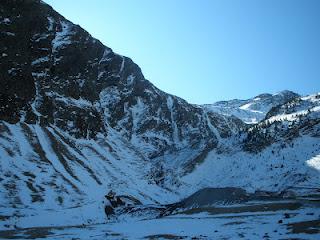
[255, 220]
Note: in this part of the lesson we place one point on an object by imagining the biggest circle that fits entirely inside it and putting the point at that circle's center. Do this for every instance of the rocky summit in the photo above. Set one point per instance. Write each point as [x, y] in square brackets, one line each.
[78, 120]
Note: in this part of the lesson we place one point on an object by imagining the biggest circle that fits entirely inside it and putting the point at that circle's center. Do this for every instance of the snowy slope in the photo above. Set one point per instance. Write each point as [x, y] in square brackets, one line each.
[252, 110]
[279, 153]
[46, 171]
[276, 168]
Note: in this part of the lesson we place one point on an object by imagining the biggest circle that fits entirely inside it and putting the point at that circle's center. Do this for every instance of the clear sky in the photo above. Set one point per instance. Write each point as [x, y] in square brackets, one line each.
[210, 50]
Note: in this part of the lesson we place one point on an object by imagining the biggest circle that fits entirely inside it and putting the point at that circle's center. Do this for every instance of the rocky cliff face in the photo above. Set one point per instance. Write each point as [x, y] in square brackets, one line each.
[56, 73]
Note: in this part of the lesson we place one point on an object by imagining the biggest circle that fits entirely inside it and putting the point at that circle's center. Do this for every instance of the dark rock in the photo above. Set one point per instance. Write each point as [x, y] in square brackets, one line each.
[212, 196]
[108, 210]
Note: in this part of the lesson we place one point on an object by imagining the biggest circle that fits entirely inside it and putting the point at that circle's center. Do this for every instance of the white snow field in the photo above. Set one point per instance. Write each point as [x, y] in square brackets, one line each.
[281, 224]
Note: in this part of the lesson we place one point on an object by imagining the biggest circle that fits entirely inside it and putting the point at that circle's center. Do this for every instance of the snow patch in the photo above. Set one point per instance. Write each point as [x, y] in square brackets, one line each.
[63, 37]
[105, 55]
[175, 132]
[40, 60]
[6, 21]
[314, 162]
[50, 23]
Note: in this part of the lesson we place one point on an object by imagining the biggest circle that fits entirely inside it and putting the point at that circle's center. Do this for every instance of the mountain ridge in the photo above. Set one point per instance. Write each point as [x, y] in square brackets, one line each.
[254, 109]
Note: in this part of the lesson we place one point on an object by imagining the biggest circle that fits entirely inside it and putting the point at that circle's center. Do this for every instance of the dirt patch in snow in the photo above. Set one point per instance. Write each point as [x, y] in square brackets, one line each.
[309, 227]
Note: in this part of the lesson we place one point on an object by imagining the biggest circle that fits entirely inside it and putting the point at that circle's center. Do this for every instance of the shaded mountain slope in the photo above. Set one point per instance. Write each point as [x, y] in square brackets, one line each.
[82, 87]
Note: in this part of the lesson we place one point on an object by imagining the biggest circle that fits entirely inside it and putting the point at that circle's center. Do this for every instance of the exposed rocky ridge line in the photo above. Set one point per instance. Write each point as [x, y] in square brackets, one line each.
[56, 73]
[299, 116]
[252, 110]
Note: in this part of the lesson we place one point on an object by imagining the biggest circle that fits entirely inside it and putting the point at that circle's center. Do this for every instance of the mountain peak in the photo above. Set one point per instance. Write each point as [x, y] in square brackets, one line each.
[254, 109]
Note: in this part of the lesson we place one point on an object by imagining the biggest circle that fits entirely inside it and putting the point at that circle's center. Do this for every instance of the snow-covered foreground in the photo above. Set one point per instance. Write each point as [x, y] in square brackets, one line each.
[284, 222]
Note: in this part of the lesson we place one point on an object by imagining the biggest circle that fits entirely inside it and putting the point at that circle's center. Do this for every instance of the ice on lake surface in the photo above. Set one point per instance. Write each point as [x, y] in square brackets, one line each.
[279, 219]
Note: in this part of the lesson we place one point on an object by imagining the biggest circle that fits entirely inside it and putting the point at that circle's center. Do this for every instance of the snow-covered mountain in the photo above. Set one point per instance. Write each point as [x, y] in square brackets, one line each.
[66, 97]
[251, 110]
[280, 152]
[78, 120]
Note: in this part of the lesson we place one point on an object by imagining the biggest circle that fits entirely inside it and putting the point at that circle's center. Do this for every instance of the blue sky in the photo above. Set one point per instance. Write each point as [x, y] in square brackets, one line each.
[210, 50]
